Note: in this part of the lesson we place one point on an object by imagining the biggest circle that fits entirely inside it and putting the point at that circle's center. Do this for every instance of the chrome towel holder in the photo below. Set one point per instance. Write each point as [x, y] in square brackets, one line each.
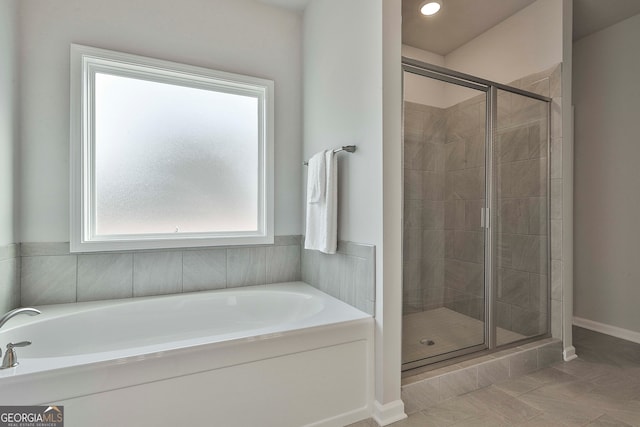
[347, 148]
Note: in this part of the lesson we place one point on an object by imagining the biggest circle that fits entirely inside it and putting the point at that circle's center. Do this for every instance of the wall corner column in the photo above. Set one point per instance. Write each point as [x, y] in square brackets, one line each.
[388, 407]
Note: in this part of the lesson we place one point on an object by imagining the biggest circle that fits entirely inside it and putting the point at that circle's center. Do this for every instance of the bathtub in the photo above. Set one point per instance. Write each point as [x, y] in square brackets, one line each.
[270, 355]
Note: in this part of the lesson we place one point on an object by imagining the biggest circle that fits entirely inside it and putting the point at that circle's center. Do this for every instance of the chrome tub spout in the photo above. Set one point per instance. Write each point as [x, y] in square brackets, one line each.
[24, 310]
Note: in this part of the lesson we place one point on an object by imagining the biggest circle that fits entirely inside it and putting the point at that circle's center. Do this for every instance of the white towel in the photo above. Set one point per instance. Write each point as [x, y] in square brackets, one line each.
[316, 178]
[322, 215]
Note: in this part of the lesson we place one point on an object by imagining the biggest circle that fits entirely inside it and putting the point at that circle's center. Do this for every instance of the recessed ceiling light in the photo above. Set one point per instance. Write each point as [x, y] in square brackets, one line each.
[430, 7]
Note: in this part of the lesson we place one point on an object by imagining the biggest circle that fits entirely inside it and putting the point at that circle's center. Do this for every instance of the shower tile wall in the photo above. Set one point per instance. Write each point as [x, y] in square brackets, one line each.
[464, 199]
[520, 158]
[424, 170]
[514, 112]
[444, 191]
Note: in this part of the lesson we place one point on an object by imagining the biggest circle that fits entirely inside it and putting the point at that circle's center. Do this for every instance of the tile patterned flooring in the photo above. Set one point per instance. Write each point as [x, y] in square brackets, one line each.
[448, 329]
[600, 388]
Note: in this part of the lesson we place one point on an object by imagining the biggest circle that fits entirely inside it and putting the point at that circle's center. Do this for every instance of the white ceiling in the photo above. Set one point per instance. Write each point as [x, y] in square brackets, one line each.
[458, 22]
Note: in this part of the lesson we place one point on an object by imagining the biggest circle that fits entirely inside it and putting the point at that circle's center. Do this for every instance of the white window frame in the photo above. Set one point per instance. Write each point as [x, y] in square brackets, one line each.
[85, 62]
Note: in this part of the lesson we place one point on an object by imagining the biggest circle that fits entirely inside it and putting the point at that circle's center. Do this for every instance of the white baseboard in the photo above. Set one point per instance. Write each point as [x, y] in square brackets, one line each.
[389, 412]
[569, 353]
[344, 419]
[603, 328]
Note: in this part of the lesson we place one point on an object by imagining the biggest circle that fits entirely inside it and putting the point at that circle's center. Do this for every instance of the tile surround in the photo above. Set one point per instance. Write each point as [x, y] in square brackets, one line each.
[9, 277]
[246, 266]
[348, 275]
[283, 264]
[50, 274]
[104, 276]
[204, 270]
[48, 279]
[157, 273]
[493, 371]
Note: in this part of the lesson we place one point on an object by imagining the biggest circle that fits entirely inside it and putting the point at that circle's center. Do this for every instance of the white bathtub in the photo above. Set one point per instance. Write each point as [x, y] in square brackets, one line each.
[272, 355]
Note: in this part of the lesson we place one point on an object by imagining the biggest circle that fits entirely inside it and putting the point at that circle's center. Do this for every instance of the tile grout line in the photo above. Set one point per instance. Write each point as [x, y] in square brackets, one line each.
[77, 269]
[226, 268]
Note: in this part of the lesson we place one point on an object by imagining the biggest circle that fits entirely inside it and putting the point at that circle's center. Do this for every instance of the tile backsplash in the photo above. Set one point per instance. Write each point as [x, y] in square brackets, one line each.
[9, 277]
[348, 275]
[52, 275]
[47, 273]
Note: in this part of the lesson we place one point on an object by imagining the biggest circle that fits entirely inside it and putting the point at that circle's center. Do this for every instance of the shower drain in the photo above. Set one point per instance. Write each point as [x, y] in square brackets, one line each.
[427, 341]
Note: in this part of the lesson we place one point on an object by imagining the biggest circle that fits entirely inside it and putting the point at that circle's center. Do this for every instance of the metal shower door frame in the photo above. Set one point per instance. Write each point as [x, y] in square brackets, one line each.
[489, 214]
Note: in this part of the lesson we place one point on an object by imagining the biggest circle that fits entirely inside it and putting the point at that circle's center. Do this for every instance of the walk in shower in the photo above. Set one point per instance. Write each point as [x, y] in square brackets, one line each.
[476, 221]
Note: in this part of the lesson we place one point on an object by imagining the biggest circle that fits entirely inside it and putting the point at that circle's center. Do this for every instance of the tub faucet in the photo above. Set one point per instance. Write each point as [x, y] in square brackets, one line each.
[10, 358]
[24, 310]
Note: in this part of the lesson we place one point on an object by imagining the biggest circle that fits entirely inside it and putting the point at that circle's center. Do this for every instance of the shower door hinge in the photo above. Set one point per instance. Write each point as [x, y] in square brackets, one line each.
[485, 217]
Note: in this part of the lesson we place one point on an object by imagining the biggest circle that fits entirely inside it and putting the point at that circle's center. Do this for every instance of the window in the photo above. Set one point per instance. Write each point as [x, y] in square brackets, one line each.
[167, 155]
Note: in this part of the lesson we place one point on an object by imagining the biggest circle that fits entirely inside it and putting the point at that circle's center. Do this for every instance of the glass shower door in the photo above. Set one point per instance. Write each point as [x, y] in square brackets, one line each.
[520, 232]
[476, 256]
[444, 307]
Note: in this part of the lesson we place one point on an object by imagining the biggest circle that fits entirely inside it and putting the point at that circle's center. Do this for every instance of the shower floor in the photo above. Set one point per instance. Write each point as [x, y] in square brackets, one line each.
[448, 329]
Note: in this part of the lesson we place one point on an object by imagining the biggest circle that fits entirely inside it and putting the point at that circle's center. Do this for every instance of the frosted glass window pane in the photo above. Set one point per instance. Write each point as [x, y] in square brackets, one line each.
[170, 158]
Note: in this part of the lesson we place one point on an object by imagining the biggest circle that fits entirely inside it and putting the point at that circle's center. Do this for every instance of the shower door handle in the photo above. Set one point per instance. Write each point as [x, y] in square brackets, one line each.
[484, 217]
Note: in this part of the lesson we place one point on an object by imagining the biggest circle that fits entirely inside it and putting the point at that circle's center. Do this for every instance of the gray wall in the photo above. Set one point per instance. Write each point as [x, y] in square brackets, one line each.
[9, 263]
[240, 36]
[343, 105]
[606, 96]
[8, 120]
